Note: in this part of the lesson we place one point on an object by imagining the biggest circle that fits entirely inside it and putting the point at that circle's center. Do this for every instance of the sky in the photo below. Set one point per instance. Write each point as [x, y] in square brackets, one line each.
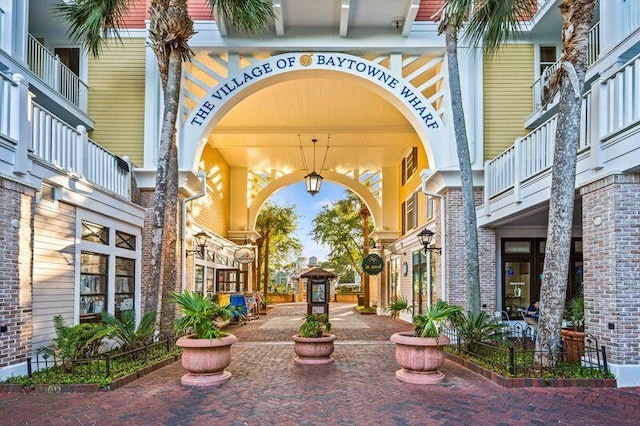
[308, 207]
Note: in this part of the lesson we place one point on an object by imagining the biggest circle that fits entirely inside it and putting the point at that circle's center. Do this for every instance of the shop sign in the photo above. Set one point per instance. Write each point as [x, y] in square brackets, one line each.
[244, 255]
[372, 264]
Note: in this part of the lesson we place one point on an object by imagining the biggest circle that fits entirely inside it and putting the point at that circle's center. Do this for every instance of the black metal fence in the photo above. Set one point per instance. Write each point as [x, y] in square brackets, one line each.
[516, 354]
[113, 363]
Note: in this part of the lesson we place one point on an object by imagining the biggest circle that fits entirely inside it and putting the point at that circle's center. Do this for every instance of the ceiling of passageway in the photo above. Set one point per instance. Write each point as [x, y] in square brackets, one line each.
[261, 132]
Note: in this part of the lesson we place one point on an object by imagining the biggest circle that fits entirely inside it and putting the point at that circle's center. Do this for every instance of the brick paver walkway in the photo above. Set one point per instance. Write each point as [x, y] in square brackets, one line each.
[358, 389]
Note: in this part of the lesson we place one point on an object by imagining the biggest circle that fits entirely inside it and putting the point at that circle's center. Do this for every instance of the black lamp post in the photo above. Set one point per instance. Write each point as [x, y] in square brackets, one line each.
[425, 236]
[200, 241]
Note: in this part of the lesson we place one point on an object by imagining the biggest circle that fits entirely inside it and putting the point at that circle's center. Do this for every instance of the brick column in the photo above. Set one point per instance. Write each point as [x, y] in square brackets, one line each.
[455, 254]
[16, 254]
[611, 241]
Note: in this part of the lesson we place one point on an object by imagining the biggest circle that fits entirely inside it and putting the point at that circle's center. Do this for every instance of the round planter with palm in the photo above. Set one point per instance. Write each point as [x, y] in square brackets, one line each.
[421, 354]
[206, 350]
[311, 345]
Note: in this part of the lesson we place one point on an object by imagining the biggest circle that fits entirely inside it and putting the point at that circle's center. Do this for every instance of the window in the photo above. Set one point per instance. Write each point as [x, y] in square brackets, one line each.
[93, 286]
[125, 285]
[409, 164]
[199, 280]
[231, 280]
[210, 282]
[125, 241]
[95, 233]
[420, 283]
[410, 213]
[429, 207]
[547, 57]
[70, 56]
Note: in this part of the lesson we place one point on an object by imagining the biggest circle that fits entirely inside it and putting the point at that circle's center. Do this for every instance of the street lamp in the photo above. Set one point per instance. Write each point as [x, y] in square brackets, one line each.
[425, 236]
[200, 241]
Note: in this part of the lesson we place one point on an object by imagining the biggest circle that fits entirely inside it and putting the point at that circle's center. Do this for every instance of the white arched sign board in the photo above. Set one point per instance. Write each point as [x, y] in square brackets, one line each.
[399, 92]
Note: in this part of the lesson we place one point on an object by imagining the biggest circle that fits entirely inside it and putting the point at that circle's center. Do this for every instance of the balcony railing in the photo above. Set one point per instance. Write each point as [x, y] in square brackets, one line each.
[542, 93]
[630, 16]
[531, 154]
[2, 28]
[55, 74]
[6, 101]
[623, 97]
[69, 149]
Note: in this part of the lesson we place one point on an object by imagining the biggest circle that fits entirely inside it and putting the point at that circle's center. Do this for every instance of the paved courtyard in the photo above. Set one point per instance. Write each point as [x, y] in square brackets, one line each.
[358, 389]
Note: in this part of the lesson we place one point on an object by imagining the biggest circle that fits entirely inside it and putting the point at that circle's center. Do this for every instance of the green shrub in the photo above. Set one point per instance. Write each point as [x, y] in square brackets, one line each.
[125, 332]
[199, 313]
[397, 305]
[429, 324]
[313, 324]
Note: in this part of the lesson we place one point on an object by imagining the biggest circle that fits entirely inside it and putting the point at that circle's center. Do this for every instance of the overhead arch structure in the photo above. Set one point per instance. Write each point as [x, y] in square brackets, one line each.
[242, 82]
[359, 189]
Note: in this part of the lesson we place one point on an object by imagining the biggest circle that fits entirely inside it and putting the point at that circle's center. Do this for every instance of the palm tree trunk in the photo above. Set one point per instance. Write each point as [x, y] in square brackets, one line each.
[166, 188]
[577, 15]
[472, 266]
[260, 244]
[365, 277]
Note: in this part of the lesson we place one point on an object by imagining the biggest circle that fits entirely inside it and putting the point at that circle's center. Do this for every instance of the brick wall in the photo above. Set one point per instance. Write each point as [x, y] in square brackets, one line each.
[455, 247]
[611, 241]
[16, 237]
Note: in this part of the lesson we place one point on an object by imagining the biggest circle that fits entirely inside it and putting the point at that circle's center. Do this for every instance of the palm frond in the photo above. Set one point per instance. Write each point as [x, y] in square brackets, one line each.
[91, 21]
[492, 22]
[247, 16]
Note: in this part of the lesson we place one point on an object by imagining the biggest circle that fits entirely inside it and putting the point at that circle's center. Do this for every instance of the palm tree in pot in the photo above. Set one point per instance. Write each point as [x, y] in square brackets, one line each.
[206, 350]
[420, 354]
[311, 345]
[573, 335]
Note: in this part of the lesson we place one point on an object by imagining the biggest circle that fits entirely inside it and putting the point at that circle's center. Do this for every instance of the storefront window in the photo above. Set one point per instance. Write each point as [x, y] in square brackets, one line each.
[125, 285]
[420, 284]
[93, 286]
[95, 233]
[199, 279]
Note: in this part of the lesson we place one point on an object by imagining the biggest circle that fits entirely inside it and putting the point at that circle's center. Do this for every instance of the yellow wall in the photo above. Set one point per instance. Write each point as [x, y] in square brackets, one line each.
[412, 185]
[507, 96]
[116, 98]
[212, 212]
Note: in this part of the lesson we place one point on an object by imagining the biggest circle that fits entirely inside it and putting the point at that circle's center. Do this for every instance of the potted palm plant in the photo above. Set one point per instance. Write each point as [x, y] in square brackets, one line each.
[206, 350]
[573, 335]
[420, 354]
[311, 345]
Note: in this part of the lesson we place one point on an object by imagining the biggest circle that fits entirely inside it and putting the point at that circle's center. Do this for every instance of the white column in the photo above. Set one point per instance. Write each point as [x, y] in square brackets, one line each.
[20, 125]
[152, 111]
[238, 211]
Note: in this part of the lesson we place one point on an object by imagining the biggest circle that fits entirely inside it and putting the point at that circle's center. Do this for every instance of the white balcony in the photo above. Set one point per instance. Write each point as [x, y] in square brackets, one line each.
[7, 94]
[519, 179]
[630, 14]
[48, 67]
[70, 150]
[541, 92]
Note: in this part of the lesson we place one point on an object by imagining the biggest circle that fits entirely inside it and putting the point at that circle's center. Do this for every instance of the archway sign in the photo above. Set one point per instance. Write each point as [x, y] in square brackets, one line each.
[245, 81]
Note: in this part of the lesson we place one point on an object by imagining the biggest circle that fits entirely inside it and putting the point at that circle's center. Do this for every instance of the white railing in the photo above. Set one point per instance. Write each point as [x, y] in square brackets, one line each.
[593, 51]
[6, 101]
[538, 87]
[55, 74]
[532, 154]
[630, 16]
[2, 28]
[69, 149]
[501, 171]
[623, 96]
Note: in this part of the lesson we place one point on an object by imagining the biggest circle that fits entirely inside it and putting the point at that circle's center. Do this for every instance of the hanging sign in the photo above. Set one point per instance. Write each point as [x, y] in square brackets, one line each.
[372, 264]
[244, 255]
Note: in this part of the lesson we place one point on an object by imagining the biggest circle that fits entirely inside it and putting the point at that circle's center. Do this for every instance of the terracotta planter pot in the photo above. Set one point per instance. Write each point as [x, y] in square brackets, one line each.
[420, 358]
[573, 344]
[206, 360]
[313, 350]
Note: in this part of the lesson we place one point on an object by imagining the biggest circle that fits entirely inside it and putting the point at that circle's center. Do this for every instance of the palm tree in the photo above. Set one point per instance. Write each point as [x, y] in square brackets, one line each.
[577, 17]
[273, 221]
[490, 22]
[90, 23]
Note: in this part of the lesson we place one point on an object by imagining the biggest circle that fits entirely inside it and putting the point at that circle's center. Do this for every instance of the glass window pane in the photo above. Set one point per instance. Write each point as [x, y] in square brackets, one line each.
[95, 233]
[93, 286]
[517, 247]
[199, 279]
[578, 246]
[125, 285]
[125, 241]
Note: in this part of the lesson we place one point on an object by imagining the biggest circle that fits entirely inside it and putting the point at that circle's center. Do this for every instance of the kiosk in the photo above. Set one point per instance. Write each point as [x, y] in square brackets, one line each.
[318, 289]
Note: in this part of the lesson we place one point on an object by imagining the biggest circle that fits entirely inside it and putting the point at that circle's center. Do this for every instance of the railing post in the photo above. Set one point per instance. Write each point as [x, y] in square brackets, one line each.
[127, 181]
[107, 362]
[20, 125]
[598, 118]
[82, 152]
[512, 360]
[29, 368]
[604, 358]
[487, 188]
[517, 173]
